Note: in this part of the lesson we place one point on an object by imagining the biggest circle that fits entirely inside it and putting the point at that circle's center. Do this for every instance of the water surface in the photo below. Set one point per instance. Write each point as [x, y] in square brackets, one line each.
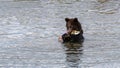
[29, 31]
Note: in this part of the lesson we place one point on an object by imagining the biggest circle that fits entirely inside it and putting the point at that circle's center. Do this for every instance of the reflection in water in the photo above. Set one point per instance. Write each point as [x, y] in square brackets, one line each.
[73, 54]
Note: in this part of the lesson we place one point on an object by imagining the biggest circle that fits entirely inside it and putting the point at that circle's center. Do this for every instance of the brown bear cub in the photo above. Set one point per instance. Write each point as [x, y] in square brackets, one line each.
[74, 31]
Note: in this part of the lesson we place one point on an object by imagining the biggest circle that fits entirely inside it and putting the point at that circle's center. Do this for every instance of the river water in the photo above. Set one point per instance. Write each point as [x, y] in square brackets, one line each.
[29, 31]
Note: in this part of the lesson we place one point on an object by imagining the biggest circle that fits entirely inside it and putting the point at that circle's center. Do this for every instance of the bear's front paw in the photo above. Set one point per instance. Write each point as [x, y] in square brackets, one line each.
[60, 39]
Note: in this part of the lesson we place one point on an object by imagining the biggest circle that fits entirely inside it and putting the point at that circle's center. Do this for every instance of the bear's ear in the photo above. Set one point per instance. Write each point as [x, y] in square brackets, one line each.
[75, 20]
[66, 19]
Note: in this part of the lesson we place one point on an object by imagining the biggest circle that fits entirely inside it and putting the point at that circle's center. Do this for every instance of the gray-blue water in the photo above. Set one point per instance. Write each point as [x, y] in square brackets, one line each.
[29, 31]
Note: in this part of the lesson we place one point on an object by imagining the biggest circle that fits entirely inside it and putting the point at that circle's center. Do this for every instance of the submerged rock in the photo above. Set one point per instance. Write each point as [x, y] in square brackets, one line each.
[102, 1]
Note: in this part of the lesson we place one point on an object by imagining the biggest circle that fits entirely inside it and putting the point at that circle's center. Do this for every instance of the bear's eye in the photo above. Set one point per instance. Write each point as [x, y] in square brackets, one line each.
[71, 27]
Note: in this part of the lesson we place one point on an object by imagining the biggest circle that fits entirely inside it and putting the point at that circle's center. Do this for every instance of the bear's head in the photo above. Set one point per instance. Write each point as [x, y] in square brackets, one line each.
[73, 24]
